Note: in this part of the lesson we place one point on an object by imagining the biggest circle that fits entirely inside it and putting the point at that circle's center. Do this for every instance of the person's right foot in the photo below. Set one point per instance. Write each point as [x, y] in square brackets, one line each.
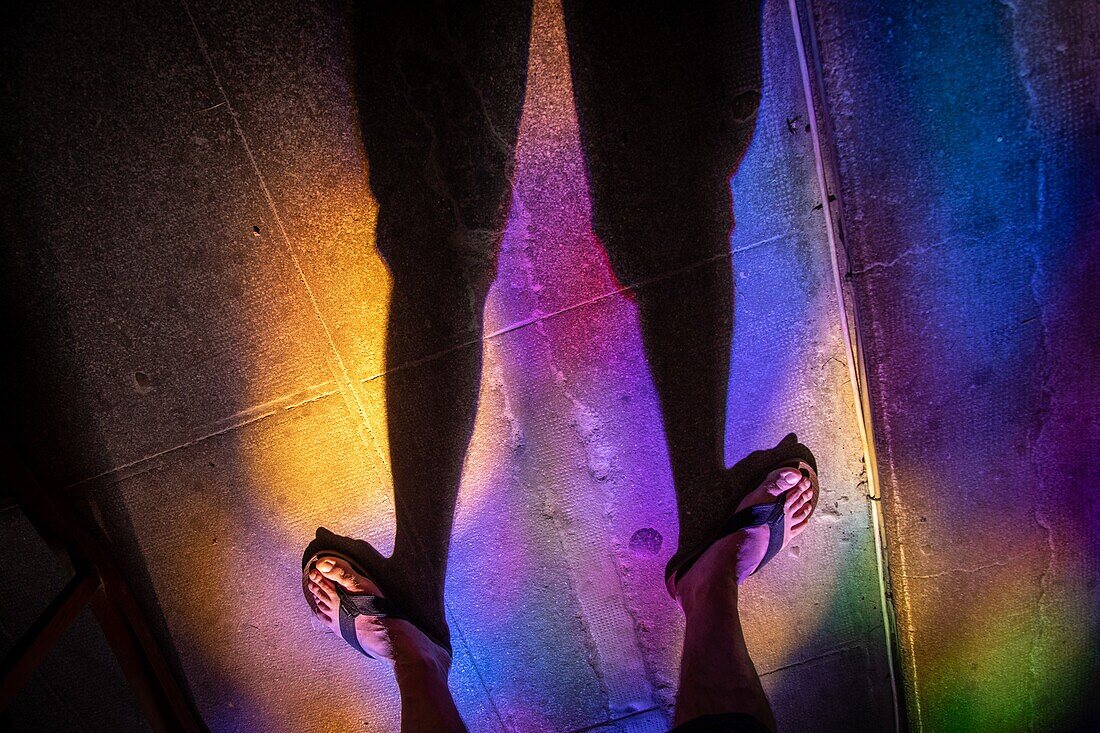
[387, 638]
[736, 556]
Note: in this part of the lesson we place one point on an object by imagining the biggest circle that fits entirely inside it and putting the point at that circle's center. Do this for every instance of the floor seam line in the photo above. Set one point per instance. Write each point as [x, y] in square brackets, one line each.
[543, 317]
[259, 417]
[347, 386]
[612, 721]
[342, 374]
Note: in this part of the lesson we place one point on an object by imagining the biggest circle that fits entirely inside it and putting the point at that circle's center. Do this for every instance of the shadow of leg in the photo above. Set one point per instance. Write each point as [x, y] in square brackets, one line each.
[434, 332]
[439, 88]
[667, 97]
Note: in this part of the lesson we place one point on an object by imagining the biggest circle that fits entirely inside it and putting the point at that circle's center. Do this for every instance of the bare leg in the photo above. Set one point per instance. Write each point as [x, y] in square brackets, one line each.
[426, 702]
[716, 674]
[420, 665]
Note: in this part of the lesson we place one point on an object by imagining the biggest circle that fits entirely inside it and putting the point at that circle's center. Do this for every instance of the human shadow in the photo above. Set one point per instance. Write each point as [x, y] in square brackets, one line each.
[666, 97]
[439, 88]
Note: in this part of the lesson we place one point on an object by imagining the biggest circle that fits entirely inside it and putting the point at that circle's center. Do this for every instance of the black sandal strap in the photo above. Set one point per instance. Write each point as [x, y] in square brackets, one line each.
[777, 529]
[347, 630]
[768, 515]
[361, 604]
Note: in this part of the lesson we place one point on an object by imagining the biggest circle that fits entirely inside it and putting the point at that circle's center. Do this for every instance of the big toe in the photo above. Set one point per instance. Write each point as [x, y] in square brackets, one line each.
[337, 571]
[340, 572]
[782, 479]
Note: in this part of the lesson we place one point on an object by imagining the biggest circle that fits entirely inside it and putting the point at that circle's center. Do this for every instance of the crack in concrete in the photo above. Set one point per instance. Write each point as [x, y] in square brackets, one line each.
[516, 437]
[815, 658]
[978, 569]
[1034, 439]
[600, 461]
[605, 619]
[561, 519]
[916, 249]
[613, 720]
[1043, 408]
[1044, 584]
[898, 582]
[237, 420]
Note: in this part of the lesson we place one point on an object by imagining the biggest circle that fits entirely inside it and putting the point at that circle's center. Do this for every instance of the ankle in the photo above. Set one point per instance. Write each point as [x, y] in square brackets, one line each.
[421, 668]
[702, 590]
[415, 654]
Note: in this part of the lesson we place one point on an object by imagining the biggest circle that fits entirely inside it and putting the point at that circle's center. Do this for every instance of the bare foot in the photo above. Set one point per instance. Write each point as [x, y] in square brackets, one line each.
[388, 638]
[736, 556]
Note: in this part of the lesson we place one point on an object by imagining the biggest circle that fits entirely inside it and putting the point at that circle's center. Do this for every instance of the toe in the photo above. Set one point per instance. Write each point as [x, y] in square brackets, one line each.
[323, 590]
[322, 604]
[800, 500]
[337, 571]
[791, 502]
[782, 479]
[316, 593]
[799, 525]
[802, 513]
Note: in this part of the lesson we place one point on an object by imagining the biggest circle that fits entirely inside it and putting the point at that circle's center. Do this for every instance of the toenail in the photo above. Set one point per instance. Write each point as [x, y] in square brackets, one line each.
[325, 565]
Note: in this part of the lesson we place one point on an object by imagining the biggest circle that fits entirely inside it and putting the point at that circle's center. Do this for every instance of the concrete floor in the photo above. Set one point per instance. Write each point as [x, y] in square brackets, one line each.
[200, 337]
[968, 146]
[215, 307]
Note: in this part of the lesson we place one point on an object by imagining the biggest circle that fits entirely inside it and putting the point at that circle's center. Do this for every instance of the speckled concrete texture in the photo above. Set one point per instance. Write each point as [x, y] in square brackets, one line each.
[202, 317]
[968, 147]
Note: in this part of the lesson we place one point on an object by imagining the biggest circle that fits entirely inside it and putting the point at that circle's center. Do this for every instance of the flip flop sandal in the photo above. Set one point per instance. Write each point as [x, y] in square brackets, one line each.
[352, 604]
[769, 514]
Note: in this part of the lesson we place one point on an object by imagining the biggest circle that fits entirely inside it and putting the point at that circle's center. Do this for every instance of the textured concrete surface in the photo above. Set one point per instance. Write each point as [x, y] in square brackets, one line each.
[968, 149]
[200, 314]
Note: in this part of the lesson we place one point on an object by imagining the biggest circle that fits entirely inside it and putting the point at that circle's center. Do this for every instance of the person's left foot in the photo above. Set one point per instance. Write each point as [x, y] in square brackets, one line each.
[394, 639]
